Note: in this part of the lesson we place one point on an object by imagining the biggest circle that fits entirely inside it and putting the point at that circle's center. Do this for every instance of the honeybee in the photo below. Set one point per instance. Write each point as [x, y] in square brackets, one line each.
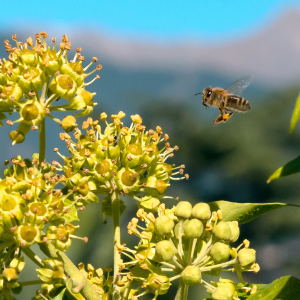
[227, 100]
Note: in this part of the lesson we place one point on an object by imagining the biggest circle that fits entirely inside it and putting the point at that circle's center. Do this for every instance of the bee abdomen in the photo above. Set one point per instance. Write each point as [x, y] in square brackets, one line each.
[237, 103]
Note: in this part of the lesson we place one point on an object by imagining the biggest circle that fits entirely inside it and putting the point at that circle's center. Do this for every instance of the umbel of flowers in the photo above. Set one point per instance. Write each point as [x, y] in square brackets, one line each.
[117, 158]
[32, 211]
[35, 75]
[184, 243]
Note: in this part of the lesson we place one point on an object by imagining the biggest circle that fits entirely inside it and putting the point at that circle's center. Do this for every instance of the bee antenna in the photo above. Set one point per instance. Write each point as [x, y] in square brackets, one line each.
[198, 94]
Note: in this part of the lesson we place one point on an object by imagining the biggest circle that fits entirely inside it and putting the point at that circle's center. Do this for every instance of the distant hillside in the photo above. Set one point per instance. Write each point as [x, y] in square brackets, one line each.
[271, 54]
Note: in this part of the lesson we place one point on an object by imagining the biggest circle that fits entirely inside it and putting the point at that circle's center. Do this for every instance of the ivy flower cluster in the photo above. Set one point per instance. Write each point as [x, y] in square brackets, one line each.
[29, 205]
[121, 159]
[35, 75]
[188, 243]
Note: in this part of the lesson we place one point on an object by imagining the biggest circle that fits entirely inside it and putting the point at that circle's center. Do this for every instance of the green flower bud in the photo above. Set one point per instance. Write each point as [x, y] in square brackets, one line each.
[220, 252]
[201, 211]
[28, 57]
[191, 275]
[183, 209]
[69, 123]
[193, 229]
[150, 157]
[158, 283]
[12, 91]
[127, 180]
[28, 234]
[83, 186]
[161, 186]
[16, 137]
[165, 250]
[222, 292]
[11, 206]
[32, 112]
[163, 225]
[55, 274]
[222, 231]
[18, 264]
[161, 171]
[12, 69]
[63, 86]
[235, 230]
[32, 79]
[45, 274]
[83, 99]
[60, 235]
[38, 212]
[132, 155]
[246, 257]
[149, 203]
[151, 181]
[10, 274]
[50, 62]
[75, 71]
[114, 152]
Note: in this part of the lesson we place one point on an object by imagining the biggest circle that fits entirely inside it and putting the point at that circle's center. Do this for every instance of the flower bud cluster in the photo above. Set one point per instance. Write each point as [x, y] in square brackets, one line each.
[33, 211]
[116, 158]
[187, 242]
[30, 203]
[35, 75]
[10, 275]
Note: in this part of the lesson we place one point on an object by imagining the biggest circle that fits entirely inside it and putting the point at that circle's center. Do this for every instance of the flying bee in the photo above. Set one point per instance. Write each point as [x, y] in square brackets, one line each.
[227, 100]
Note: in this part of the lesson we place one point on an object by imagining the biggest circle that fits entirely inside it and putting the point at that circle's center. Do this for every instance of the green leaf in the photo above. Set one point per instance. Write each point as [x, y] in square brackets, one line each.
[290, 168]
[296, 114]
[59, 293]
[244, 212]
[284, 288]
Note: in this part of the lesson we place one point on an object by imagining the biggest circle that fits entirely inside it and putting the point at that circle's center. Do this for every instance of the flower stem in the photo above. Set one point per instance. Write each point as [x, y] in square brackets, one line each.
[179, 293]
[117, 240]
[32, 282]
[185, 292]
[42, 138]
[30, 254]
[180, 234]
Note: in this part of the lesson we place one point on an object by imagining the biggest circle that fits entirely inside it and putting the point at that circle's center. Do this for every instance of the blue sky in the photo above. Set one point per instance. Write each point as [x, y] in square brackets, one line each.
[161, 19]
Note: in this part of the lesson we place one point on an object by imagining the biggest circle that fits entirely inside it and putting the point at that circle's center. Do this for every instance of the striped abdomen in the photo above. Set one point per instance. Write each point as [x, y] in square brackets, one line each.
[236, 103]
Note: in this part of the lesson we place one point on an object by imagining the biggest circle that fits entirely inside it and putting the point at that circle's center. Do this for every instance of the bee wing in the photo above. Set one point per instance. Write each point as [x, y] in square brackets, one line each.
[237, 87]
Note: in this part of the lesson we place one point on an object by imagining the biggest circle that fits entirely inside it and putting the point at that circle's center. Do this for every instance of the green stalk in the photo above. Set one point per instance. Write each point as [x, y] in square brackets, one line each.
[42, 138]
[30, 254]
[32, 282]
[185, 292]
[42, 126]
[179, 293]
[117, 240]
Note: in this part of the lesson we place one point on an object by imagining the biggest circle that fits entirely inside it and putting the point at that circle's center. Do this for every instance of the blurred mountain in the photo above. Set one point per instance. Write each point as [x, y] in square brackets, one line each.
[271, 53]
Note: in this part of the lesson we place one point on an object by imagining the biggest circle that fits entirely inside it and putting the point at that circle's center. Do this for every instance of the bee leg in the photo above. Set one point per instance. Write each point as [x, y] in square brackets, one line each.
[223, 117]
[204, 105]
[218, 120]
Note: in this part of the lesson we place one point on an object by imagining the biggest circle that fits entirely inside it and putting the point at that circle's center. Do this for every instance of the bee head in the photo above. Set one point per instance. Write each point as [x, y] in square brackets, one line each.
[206, 94]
